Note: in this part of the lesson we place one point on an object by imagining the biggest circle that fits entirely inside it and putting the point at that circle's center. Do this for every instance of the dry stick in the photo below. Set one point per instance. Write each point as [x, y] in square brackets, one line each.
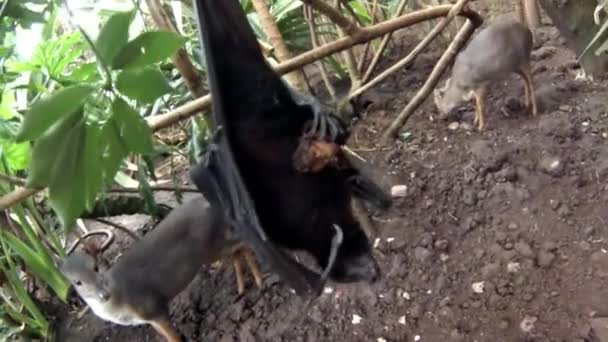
[383, 45]
[446, 59]
[185, 111]
[349, 58]
[309, 16]
[269, 26]
[119, 227]
[155, 188]
[12, 180]
[416, 51]
[335, 16]
[369, 45]
[180, 59]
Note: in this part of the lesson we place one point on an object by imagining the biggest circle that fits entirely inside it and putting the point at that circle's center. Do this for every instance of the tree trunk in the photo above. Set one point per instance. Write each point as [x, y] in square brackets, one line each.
[282, 53]
[574, 20]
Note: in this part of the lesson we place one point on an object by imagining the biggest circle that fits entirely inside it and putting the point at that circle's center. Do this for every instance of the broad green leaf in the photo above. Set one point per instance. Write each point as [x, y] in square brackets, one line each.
[114, 151]
[17, 154]
[600, 33]
[114, 35]
[45, 165]
[148, 48]
[85, 73]
[67, 193]
[132, 128]
[144, 85]
[46, 272]
[602, 48]
[92, 162]
[47, 111]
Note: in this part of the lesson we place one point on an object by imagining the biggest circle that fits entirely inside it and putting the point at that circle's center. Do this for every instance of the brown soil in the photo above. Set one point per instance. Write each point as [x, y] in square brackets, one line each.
[501, 235]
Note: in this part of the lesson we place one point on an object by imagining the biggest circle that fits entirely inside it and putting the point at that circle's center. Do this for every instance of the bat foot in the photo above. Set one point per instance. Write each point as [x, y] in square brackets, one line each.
[249, 258]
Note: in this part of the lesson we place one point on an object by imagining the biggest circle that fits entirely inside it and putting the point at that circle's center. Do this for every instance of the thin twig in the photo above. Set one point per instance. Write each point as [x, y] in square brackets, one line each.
[12, 180]
[155, 188]
[335, 16]
[349, 58]
[309, 16]
[446, 59]
[203, 103]
[369, 45]
[383, 45]
[416, 51]
[119, 227]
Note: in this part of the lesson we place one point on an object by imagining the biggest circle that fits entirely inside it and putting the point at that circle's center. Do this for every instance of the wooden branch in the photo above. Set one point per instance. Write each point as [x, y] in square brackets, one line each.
[349, 58]
[12, 180]
[309, 16]
[416, 51]
[383, 45]
[182, 62]
[282, 53]
[442, 65]
[203, 103]
[335, 16]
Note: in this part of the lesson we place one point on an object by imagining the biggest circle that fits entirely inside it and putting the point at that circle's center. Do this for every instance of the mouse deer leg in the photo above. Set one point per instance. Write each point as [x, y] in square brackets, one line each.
[480, 107]
[526, 74]
[164, 327]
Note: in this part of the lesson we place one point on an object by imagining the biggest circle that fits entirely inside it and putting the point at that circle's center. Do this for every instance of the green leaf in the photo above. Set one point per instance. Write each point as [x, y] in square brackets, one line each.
[148, 48]
[47, 111]
[67, 193]
[114, 151]
[45, 166]
[600, 33]
[92, 162]
[144, 85]
[132, 128]
[85, 73]
[17, 154]
[46, 272]
[114, 36]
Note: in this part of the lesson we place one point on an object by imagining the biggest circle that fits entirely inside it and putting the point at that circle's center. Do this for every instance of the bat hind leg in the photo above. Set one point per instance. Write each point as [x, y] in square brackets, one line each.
[249, 257]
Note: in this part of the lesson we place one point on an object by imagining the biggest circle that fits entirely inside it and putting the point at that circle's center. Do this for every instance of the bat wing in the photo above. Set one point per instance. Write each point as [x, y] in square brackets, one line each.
[240, 79]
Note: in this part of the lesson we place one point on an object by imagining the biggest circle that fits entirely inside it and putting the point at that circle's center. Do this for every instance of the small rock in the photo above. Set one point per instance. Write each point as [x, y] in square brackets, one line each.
[527, 324]
[564, 211]
[512, 226]
[513, 267]
[453, 126]
[545, 259]
[469, 197]
[422, 254]
[478, 287]
[524, 249]
[399, 191]
[466, 126]
[503, 325]
[442, 245]
[356, 319]
[551, 165]
[554, 204]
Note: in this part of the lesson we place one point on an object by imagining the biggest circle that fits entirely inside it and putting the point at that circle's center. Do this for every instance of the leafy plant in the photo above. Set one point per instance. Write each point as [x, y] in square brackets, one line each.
[78, 148]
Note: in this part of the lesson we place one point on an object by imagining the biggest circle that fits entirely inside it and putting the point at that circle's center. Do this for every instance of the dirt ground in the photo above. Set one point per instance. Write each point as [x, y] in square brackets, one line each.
[501, 235]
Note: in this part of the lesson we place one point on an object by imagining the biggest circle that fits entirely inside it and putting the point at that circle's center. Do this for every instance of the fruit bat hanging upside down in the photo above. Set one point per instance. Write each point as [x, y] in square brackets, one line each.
[276, 167]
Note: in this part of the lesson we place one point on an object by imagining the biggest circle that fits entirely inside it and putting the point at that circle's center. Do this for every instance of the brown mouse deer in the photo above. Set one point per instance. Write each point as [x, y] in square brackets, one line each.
[139, 287]
[502, 48]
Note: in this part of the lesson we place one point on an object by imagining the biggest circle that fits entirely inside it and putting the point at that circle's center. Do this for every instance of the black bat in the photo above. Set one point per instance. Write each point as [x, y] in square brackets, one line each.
[249, 170]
